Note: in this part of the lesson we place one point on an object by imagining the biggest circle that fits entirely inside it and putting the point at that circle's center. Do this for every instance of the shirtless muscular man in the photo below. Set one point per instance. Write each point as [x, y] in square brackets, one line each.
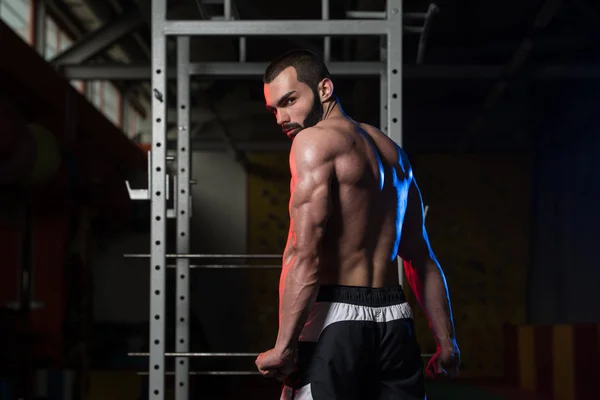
[345, 329]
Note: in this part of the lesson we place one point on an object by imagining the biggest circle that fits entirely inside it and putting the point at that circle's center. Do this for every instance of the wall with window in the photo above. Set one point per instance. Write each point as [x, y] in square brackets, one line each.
[107, 98]
[135, 125]
[20, 16]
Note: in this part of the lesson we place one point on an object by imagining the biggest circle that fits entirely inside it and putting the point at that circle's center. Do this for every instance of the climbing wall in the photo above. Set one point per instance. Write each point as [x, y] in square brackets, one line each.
[478, 223]
[268, 224]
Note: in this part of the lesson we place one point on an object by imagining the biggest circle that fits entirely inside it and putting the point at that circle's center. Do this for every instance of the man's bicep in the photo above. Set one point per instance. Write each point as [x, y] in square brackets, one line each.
[414, 243]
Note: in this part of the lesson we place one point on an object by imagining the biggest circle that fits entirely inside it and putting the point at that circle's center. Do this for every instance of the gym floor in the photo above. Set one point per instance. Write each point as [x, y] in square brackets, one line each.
[497, 117]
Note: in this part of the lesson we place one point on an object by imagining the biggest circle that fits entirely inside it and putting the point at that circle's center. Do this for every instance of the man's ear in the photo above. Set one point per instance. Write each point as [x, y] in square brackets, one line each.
[325, 90]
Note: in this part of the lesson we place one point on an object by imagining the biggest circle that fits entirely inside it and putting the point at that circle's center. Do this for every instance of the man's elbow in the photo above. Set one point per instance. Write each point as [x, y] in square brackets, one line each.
[421, 262]
[306, 258]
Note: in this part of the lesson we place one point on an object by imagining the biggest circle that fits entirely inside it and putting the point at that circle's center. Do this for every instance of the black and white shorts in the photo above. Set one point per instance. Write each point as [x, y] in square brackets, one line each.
[358, 344]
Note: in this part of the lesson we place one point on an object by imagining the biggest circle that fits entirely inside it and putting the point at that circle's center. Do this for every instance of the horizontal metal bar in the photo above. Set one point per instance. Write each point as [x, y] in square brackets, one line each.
[237, 69]
[231, 266]
[277, 28]
[110, 72]
[257, 145]
[231, 373]
[198, 354]
[213, 373]
[413, 29]
[415, 15]
[366, 14]
[427, 355]
[227, 256]
[217, 69]
[258, 68]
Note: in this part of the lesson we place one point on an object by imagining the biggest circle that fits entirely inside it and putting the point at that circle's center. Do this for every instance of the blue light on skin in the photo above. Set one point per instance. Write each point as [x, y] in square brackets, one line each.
[402, 187]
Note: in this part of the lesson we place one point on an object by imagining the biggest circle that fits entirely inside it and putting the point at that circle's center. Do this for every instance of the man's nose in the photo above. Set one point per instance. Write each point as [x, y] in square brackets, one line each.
[282, 118]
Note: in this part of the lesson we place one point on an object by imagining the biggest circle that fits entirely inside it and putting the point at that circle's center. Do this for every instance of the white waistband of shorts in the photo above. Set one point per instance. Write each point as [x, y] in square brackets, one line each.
[324, 314]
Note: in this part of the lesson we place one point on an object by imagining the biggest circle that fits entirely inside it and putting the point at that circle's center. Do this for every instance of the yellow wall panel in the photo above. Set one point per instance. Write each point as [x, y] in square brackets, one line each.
[114, 385]
[563, 362]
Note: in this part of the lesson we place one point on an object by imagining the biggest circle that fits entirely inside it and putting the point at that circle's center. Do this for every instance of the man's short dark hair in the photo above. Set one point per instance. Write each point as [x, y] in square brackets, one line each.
[310, 68]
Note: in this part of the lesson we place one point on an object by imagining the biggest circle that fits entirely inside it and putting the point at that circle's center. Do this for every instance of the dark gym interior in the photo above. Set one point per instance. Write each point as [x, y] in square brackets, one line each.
[498, 120]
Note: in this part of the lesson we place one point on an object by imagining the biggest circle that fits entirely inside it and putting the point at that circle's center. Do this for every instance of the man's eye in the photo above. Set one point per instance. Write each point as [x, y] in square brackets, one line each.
[289, 101]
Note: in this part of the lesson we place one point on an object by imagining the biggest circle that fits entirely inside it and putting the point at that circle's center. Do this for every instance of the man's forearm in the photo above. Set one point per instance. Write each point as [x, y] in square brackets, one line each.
[298, 290]
[429, 285]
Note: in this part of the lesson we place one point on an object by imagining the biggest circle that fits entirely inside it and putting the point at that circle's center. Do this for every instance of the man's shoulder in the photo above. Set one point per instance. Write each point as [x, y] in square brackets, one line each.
[317, 142]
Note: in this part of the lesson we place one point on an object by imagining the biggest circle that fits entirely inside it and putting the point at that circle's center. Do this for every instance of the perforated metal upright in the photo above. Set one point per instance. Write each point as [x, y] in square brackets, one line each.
[182, 210]
[393, 80]
[394, 70]
[158, 203]
[383, 97]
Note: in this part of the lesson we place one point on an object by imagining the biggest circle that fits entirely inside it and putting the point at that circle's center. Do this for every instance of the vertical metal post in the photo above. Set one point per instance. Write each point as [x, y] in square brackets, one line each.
[242, 49]
[228, 15]
[227, 9]
[182, 200]
[156, 381]
[393, 123]
[326, 39]
[394, 70]
[383, 98]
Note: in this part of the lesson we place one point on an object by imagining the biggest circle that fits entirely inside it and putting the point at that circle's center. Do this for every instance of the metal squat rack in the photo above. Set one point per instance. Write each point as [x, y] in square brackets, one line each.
[388, 25]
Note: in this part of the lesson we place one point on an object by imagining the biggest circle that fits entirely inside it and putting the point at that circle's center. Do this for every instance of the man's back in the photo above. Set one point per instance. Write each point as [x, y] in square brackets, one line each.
[369, 194]
[345, 327]
[349, 190]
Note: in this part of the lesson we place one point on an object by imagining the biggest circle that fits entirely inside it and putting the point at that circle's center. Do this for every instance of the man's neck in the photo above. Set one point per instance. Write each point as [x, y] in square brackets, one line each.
[333, 109]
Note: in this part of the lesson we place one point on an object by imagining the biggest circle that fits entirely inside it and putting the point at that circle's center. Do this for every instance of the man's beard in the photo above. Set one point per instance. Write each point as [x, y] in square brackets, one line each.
[314, 116]
[316, 113]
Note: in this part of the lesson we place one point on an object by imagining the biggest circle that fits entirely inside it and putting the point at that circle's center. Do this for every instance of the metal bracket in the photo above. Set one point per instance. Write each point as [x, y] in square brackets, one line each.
[141, 194]
[144, 194]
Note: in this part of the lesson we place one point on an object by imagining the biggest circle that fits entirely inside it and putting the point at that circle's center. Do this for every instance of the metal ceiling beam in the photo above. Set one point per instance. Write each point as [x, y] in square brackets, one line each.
[99, 40]
[39, 26]
[67, 21]
[233, 70]
[288, 27]
[58, 10]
